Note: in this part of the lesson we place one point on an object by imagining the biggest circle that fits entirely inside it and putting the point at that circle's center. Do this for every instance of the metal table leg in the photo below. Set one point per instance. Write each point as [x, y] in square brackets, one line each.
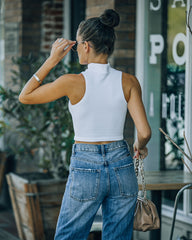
[156, 199]
[175, 207]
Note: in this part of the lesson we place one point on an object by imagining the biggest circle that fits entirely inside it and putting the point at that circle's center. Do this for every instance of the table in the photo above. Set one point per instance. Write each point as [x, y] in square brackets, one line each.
[160, 181]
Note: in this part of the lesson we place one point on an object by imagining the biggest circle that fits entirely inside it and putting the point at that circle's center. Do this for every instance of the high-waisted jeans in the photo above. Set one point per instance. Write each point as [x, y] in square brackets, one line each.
[100, 175]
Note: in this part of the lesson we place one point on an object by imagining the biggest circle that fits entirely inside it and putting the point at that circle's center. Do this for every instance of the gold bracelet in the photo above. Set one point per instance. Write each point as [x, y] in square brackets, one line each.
[38, 80]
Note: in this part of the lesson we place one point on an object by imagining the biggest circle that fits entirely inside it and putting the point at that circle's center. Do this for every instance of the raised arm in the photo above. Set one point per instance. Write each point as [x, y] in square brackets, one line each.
[33, 92]
[138, 114]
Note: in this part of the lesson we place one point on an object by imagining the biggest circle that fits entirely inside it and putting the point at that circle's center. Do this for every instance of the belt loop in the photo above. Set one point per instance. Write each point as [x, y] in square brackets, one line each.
[73, 149]
[103, 150]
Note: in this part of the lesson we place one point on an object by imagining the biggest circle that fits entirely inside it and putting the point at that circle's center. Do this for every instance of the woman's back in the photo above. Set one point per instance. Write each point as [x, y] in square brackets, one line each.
[100, 114]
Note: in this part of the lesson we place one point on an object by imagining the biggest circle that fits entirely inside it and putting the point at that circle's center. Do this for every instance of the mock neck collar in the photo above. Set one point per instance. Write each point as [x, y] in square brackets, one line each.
[99, 67]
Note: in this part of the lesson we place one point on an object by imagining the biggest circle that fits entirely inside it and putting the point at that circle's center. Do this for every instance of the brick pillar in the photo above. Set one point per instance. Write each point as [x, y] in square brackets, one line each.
[52, 23]
[95, 8]
[31, 27]
[123, 57]
[12, 35]
[124, 54]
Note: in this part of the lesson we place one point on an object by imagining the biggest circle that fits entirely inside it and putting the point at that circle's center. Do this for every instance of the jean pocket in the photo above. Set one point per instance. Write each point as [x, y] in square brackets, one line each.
[127, 180]
[85, 184]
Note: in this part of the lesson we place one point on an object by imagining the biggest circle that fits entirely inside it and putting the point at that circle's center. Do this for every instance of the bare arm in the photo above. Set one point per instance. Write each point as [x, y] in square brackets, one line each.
[138, 114]
[33, 93]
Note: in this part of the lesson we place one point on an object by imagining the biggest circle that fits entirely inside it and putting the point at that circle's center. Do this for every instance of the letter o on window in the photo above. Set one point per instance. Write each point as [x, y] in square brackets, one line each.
[179, 60]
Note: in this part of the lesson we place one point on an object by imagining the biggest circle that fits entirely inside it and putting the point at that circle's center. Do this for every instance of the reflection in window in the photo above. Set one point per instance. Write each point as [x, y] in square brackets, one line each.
[173, 95]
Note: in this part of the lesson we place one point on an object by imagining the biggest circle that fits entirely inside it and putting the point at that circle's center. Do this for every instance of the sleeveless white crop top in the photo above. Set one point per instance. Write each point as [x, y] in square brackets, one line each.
[100, 114]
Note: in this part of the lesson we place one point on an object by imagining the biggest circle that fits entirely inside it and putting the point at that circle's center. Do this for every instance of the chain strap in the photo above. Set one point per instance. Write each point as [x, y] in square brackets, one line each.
[139, 168]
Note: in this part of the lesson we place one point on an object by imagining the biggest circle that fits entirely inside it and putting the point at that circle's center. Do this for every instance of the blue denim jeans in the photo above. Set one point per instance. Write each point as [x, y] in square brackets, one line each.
[99, 175]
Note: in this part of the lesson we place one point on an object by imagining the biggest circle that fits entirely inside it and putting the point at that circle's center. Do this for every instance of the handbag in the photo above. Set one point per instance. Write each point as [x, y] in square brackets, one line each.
[146, 217]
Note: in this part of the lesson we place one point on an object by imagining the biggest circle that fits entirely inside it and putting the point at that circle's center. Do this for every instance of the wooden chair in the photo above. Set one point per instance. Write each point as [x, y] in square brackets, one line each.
[2, 168]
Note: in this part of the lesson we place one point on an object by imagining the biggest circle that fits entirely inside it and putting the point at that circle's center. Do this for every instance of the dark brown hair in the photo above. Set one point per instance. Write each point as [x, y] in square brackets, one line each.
[100, 31]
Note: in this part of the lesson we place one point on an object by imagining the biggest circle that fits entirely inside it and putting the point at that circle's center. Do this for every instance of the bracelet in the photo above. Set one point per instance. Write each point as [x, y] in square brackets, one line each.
[38, 80]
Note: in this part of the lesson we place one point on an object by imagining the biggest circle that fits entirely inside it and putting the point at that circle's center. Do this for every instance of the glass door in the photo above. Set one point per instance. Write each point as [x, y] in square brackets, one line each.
[173, 90]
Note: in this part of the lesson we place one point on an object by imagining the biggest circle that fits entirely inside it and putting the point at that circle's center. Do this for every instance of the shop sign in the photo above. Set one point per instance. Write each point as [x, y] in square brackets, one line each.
[157, 5]
[157, 40]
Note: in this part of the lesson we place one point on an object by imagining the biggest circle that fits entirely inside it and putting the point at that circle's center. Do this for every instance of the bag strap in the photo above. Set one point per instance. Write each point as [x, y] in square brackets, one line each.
[139, 169]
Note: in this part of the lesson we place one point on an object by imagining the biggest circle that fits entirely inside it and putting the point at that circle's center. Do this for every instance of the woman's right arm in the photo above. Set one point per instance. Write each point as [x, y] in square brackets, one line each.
[35, 93]
[138, 114]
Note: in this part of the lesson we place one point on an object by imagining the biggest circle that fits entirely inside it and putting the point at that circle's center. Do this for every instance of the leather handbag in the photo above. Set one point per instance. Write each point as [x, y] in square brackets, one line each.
[146, 216]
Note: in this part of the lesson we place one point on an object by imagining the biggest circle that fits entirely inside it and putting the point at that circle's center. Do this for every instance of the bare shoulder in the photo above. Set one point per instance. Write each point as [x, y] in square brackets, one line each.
[70, 79]
[130, 83]
[69, 82]
[131, 80]
[74, 85]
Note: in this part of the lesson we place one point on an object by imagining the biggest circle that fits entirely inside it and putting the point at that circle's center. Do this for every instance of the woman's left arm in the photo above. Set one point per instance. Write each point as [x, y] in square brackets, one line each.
[138, 114]
[33, 92]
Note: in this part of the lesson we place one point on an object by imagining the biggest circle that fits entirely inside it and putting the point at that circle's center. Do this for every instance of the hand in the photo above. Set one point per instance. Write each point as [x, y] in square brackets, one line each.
[142, 152]
[59, 50]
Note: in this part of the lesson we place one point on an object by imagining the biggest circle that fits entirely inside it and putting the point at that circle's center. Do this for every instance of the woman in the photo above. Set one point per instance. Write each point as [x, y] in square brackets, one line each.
[101, 170]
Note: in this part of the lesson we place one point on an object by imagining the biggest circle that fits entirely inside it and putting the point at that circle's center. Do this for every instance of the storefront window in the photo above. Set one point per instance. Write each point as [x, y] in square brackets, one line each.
[173, 94]
[173, 85]
[164, 84]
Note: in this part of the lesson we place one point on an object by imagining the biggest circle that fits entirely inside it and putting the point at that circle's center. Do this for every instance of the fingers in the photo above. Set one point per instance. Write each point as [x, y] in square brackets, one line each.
[140, 153]
[63, 43]
[68, 48]
[143, 153]
[60, 48]
[136, 156]
[60, 40]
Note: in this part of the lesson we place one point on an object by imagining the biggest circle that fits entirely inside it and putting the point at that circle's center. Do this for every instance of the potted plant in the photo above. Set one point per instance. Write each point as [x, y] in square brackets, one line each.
[42, 133]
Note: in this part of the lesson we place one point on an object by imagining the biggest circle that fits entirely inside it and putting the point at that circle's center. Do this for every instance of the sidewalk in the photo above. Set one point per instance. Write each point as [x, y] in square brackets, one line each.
[7, 222]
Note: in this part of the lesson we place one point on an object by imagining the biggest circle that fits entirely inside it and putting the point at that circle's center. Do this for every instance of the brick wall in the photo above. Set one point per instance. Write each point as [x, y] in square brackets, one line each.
[52, 23]
[31, 26]
[124, 54]
[27, 23]
[13, 10]
[95, 8]
[12, 34]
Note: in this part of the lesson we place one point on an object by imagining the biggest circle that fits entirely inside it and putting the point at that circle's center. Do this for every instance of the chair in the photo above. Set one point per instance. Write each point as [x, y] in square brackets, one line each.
[175, 207]
[2, 168]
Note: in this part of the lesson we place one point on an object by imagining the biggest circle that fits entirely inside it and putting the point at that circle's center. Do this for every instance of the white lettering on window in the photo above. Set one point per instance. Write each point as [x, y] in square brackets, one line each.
[172, 107]
[174, 3]
[151, 108]
[157, 45]
[155, 8]
[164, 105]
[179, 107]
[179, 60]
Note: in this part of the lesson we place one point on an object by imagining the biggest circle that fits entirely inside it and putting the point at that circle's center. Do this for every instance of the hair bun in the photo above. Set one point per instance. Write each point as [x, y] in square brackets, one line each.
[110, 18]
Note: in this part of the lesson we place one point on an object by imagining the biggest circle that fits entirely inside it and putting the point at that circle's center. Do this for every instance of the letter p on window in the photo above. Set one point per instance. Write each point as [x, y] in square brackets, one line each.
[157, 46]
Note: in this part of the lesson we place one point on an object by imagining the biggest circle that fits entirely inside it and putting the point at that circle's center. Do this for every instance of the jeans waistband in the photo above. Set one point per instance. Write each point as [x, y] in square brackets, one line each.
[99, 148]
